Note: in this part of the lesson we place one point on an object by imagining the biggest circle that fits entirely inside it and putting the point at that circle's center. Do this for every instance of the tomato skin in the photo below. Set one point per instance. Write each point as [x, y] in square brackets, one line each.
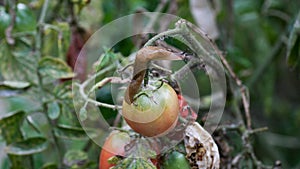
[153, 115]
[113, 145]
[184, 112]
[175, 160]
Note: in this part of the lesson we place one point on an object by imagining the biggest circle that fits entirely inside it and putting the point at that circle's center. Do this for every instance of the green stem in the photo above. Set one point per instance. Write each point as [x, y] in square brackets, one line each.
[40, 28]
[85, 95]
[163, 34]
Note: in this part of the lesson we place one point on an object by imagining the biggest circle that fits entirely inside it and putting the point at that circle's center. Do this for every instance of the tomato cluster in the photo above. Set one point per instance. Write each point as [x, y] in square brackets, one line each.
[116, 141]
[151, 110]
[115, 146]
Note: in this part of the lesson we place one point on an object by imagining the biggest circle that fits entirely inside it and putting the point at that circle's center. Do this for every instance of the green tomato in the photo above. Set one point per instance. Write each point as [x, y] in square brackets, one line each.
[175, 160]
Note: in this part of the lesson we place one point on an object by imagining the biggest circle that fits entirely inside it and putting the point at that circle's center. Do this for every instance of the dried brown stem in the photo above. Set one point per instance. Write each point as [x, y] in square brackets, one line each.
[242, 89]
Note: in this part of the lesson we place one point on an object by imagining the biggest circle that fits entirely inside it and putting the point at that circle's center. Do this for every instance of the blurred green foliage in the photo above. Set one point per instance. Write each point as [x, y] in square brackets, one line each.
[261, 40]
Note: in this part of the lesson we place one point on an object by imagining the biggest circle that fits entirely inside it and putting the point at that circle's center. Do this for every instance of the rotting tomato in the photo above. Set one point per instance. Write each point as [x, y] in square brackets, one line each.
[175, 160]
[154, 112]
[113, 145]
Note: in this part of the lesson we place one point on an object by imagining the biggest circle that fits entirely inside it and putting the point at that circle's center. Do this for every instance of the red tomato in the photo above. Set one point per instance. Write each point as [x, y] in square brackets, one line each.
[154, 113]
[113, 145]
[184, 111]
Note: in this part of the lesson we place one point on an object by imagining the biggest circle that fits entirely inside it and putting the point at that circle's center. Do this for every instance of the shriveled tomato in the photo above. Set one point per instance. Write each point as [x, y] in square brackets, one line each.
[154, 112]
[113, 145]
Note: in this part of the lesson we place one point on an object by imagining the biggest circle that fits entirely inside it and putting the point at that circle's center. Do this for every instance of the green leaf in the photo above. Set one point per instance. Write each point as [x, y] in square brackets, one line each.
[10, 129]
[24, 102]
[9, 125]
[25, 20]
[293, 45]
[18, 63]
[75, 158]
[73, 133]
[55, 68]
[83, 114]
[15, 84]
[50, 166]
[53, 110]
[131, 162]
[4, 21]
[57, 38]
[108, 58]
[27, 147]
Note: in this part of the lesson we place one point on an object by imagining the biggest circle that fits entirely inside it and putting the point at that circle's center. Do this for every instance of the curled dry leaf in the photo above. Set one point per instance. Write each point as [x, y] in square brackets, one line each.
[202, 151]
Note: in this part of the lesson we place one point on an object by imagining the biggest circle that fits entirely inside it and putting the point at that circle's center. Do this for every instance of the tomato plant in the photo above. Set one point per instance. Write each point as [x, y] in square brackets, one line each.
[152, 110]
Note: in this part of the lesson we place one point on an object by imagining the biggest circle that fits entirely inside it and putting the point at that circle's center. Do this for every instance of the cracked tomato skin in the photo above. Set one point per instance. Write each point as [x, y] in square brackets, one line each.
[113, 145]
[153, 113]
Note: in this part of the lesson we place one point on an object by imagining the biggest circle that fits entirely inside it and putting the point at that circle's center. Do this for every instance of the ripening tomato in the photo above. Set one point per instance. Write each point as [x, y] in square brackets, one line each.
[113, 145]
[154, 112]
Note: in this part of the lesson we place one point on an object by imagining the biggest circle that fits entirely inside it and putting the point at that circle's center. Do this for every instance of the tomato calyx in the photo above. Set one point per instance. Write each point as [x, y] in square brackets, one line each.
[148, 91]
